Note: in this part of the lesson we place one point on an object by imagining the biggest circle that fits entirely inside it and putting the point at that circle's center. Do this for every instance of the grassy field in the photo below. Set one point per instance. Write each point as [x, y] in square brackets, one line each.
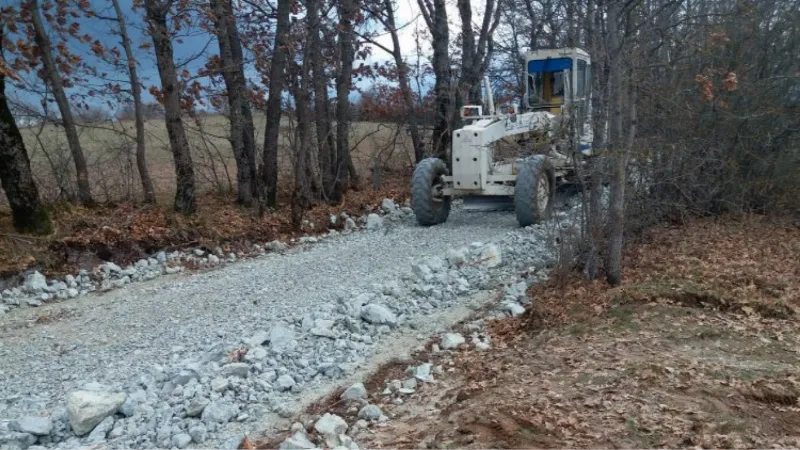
[110, 151]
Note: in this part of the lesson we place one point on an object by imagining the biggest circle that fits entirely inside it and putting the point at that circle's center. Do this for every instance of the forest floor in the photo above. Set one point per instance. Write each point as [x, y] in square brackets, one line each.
[699, 347]
[125, 232]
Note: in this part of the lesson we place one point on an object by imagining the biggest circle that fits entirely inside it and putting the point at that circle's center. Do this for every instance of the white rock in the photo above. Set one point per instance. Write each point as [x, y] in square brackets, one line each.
[86, 409]
[422, 372]
[240, 370]
[220, 384]
[349, 224]
[285, 382]
[181, 440]
[513, 309]
[280, 337]
[196, 406]
[233, 442]
[298, 441]
[110, 267]
[199, 433]
[270, 376]
[199, 252]
[100, 432]
[370, 412]
[39, 426]
[330, 424]
[35, 283]
[276, 246]
[355, 392]
[378, 315]
[482, 346]
[256, 354]
[388, 206]
[16, 440]
[218, 411]
[258, 339]
[322, 328]
[457, 257]
[213, 259]
[374, 222]
[452, 340]
[421, 271]
[72, 292]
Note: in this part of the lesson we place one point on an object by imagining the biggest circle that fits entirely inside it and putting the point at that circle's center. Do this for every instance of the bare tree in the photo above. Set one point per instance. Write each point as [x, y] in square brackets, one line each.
[384, 13]
[348, 9]
[325, 139]
[141, 160]
[157, 11]
[56, 84]
[269, 172]
[248, 126]
[242, 130]
[28, 214]
[299, 86]
[475, 56]
[435, 14]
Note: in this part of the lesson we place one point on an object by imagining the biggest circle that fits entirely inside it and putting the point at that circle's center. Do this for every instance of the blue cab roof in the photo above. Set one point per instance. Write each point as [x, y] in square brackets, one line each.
[550, 65]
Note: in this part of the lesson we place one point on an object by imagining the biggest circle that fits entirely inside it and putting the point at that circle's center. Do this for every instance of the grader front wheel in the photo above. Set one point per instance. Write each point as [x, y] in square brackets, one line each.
[430, 205]
[534, 191]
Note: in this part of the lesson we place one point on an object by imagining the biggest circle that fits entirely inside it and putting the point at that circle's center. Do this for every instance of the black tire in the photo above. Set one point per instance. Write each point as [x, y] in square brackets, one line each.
[429, 211]
[527, 206]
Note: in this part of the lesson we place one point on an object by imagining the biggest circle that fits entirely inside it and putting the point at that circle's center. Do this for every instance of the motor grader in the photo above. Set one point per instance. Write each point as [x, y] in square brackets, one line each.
[512, 157]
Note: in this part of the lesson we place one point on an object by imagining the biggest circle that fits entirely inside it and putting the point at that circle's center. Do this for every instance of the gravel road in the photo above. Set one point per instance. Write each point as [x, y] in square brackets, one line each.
[109, 338]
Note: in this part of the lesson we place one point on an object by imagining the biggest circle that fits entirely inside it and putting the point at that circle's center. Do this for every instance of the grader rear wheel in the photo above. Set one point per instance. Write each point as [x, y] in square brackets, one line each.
[534, 191]
[430, 205]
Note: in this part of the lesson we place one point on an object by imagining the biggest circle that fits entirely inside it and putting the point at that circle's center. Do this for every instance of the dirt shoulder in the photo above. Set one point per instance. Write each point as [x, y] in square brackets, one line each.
[699, 348]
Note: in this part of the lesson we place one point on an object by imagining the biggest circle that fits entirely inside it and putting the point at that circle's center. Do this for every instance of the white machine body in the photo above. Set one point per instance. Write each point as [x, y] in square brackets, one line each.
[557, 91]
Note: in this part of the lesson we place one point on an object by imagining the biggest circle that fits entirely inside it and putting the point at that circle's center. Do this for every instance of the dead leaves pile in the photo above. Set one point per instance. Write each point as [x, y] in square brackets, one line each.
[125, 232]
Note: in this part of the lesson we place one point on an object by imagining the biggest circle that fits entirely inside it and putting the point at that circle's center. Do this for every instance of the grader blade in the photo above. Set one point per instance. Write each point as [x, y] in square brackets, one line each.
[488, 203]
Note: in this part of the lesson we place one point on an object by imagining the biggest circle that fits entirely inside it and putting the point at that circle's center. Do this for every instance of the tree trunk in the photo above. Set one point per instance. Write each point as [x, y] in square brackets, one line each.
[597, 170]
[347, 14]
[468, 52]
[616, 223]
[301, 196]
[405, 86]
[57, 85]
[181, 154]
[233, 75]
[269, 172]
[325, 144]
[435, 16]
[28, 214]
[141, 162]
[248, 126]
